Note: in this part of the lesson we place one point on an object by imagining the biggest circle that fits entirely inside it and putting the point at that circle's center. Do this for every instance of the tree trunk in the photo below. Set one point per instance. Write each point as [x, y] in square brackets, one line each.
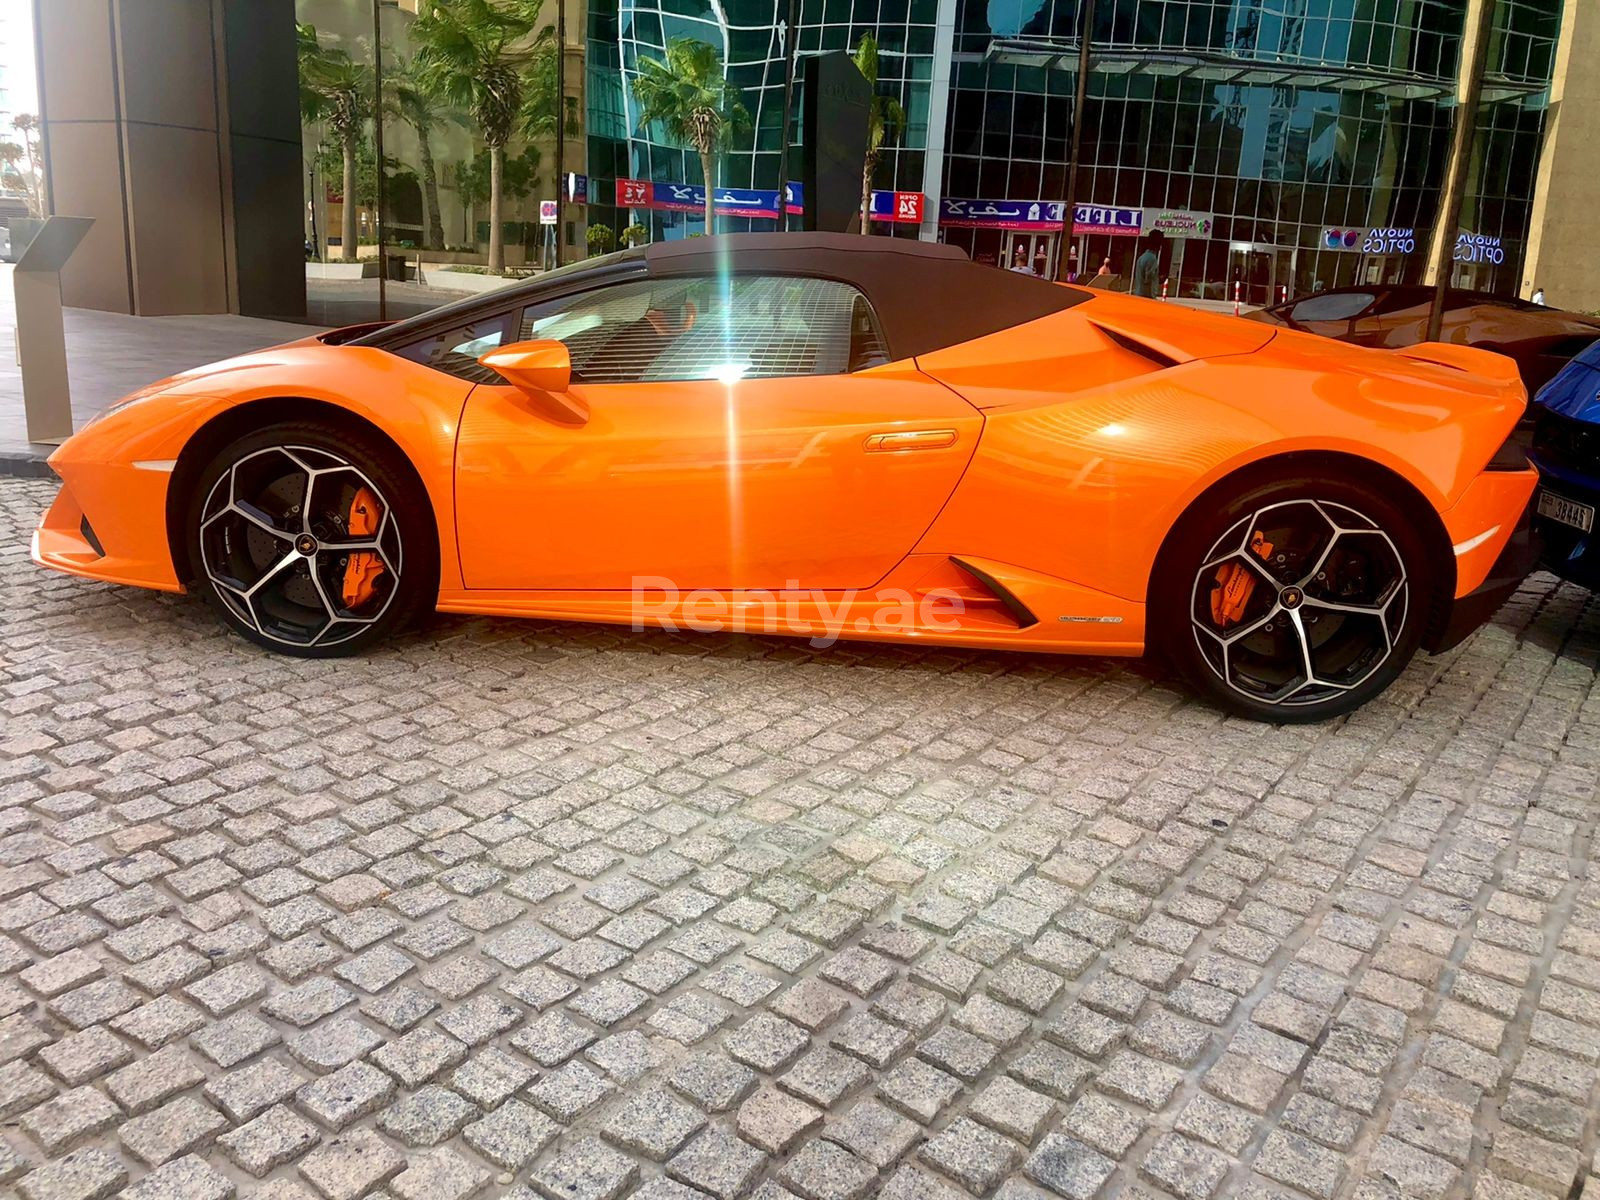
[711, 204]
[866, 195]
[497, 247]
[432, 222]
[347, 225]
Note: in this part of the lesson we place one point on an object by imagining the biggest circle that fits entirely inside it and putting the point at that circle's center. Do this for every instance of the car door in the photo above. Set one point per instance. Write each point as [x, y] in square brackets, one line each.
[743, 432]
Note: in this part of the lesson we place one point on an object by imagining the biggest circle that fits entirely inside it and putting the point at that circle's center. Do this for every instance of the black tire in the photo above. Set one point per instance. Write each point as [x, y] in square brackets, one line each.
[247, 527]
[1358, 622]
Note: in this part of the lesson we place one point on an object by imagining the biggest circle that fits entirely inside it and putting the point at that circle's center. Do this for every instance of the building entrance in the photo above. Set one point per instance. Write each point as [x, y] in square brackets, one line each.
[1039, 249]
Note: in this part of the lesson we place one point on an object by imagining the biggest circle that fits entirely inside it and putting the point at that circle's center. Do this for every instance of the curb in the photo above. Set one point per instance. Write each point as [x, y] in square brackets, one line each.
[24, 464]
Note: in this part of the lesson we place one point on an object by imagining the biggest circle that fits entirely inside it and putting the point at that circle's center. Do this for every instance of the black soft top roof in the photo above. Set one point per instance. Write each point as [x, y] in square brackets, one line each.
[926, 295]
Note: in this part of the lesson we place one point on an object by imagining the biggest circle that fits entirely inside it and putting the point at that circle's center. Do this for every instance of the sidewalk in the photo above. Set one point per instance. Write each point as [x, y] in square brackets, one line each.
[109, 355]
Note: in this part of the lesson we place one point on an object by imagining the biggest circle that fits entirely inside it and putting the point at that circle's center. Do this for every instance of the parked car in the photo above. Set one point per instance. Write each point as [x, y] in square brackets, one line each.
[1541, 340]
[1566, 449]
[807, 434]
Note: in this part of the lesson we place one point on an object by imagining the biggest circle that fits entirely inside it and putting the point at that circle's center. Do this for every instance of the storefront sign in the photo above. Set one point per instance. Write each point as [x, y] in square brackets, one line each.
[1040, 215]
[1178, 222]
[897, 207]
[1118, 222]
[1371, 240]
[547, 212]
[1479, 248]
[759, 203]
[1001, 214]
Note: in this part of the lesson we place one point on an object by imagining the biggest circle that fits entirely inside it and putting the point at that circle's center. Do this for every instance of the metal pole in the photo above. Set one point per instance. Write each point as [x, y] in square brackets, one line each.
[1455, 183]
[377, 146]
[1069, 205]
[791, 37]
[561, 122]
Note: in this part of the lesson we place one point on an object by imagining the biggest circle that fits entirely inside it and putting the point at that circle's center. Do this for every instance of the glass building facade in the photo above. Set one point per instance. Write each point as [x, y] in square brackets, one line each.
[1289, 144]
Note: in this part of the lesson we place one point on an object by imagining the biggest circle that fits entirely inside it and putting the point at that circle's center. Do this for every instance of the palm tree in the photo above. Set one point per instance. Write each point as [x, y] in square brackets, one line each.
[885, 120]
[692, 98]
[475, 55]
[407, 96]
[337, 91]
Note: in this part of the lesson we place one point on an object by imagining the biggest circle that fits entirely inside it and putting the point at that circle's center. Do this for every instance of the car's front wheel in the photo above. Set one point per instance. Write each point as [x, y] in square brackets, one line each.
[312, 540]
[1294, 599]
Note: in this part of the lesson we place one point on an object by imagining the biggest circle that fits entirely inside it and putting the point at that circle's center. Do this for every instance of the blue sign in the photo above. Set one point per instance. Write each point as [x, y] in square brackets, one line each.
[1001, 214]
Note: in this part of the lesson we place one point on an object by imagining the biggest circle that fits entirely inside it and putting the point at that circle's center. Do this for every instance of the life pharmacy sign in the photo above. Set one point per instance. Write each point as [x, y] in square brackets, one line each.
[1479, 248]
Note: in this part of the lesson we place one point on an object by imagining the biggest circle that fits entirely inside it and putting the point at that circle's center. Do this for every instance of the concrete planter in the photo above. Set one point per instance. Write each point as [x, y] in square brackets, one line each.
[464, 281]
[343, 270]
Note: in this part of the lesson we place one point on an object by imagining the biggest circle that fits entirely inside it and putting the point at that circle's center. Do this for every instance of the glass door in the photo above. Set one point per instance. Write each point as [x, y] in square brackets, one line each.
[1034, 252]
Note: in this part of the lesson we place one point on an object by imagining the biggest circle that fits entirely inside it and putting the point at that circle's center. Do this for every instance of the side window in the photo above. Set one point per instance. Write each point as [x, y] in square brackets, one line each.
[736, 327]
[455, 351]
[1332, 306]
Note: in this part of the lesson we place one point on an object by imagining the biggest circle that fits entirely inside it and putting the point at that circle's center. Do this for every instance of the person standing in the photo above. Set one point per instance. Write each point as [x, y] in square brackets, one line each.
[1147, 270]
[1020, 262]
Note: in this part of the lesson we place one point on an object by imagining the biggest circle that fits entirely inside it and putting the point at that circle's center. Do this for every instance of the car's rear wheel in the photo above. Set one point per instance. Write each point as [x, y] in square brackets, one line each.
[1294, 599]
[312, 540]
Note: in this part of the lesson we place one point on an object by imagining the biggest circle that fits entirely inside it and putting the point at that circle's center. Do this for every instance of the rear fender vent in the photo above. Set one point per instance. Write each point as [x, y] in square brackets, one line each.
[1133, 345]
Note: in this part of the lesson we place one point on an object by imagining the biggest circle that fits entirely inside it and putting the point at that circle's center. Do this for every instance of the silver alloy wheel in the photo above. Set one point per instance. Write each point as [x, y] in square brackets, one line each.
[275, 540]
[1325, 599]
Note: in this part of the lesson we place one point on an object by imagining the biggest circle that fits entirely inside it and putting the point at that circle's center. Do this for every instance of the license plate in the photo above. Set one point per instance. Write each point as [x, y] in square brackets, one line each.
[1568, 512]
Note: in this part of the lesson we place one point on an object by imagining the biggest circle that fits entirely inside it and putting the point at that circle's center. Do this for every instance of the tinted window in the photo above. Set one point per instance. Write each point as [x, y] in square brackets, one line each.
[455, 351]
[697, 327]
[1331, 306]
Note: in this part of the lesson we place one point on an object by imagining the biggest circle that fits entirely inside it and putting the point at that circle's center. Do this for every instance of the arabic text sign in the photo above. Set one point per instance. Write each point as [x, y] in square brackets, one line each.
[1001, 214]
[1179, 222]
[751, 202]
[1479, 248]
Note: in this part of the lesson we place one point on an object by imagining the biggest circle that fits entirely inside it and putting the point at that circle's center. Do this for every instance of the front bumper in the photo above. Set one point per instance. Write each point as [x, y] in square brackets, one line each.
[1518, 556]
[116, 532]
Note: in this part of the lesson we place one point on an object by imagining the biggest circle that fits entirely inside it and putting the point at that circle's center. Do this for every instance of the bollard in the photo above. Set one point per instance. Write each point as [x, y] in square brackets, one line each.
[1236, 297]
[1164, 284]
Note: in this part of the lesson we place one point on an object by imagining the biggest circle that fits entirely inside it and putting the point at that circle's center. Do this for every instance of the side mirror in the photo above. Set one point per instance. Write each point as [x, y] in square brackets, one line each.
[542, 371]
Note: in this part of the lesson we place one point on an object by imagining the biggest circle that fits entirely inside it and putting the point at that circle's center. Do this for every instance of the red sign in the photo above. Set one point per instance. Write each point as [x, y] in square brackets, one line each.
[635, 193]
[907, 208]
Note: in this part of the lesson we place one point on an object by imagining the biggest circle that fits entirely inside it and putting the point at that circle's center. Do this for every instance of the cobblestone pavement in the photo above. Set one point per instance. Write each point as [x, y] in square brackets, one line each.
[529, 909]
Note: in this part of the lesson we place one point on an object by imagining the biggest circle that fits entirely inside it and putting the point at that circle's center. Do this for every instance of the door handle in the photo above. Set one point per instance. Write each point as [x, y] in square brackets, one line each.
[912, 439]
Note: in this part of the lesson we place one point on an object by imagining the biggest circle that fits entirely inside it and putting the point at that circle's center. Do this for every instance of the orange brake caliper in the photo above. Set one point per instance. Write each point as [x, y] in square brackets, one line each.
[362, 571]
[1235, 584]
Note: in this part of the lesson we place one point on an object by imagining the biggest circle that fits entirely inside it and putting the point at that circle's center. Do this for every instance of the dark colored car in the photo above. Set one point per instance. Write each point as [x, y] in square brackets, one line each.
[1541, 340]
[1566, 449]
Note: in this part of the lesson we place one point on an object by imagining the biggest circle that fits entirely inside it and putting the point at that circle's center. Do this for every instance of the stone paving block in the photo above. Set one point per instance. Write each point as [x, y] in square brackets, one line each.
[653, 1122]
[427, 1116]
[87, 1174]
[775, 1121]
[176, 1128]
[275, 1137]
[250, 1090]
[1009, 1108]
[825, 1171]
[717, 1163]
[975, 1157]
[874, 1133]
[587, 1169]
[439, 1174]
[351, 1165]
[188, 1178]
[71, 1117]
[1068, 1167]
[512, 1136]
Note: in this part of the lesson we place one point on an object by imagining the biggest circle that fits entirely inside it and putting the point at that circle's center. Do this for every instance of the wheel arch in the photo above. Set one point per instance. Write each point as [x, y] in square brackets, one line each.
[236, 421]
[1405, 493]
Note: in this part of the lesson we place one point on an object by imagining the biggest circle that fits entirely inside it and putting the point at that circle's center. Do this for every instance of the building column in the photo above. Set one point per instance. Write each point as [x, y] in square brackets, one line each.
[1566, 196]
[193, 178]
[944, 40]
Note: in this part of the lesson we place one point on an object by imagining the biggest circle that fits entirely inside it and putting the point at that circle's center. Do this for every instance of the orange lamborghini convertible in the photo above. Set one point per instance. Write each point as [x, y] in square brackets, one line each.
[831, 436]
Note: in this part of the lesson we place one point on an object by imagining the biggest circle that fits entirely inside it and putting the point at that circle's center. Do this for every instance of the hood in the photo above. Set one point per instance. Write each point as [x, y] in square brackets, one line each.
[1575, 390]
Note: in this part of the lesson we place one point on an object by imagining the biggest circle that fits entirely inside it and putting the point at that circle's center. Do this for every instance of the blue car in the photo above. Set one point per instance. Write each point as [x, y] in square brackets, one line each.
[1566, 449]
